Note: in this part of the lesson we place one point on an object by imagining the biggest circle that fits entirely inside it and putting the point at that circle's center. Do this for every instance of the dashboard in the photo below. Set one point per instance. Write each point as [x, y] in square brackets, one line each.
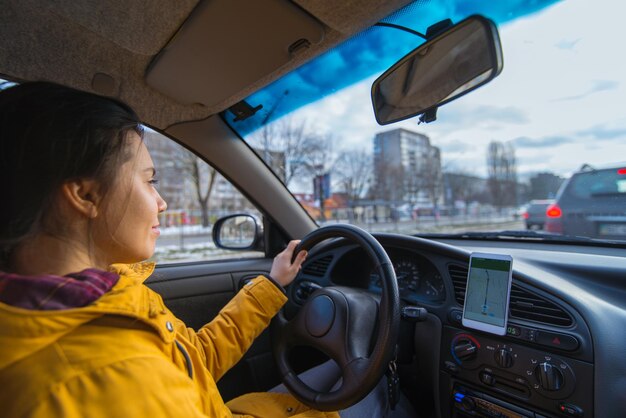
[563, 352]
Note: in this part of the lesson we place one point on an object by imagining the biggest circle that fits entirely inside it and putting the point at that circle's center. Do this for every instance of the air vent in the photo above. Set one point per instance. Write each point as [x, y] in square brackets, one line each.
[459, 280]
[528, 306]
[318, 267]
[523, 305]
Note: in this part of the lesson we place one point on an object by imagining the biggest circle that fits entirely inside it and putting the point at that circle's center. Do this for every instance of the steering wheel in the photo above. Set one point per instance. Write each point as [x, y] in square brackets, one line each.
[346, 324]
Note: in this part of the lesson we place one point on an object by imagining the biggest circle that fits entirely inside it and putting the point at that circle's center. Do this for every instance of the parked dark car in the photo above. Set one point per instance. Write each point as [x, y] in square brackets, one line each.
[592, 203]
[535, 213]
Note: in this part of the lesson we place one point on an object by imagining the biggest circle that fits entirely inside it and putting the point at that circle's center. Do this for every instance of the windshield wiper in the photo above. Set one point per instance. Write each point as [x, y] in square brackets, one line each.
[607, 194]
[511, 235]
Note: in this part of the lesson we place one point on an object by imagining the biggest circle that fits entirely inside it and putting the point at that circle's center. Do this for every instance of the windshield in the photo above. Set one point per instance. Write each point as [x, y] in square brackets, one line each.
[554, 111]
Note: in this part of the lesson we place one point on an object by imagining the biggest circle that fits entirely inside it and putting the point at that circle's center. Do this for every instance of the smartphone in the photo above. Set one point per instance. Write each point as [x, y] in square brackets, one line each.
[488, 292]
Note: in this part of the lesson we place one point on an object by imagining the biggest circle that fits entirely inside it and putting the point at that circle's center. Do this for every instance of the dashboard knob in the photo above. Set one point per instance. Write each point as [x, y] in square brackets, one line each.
[465, 350]
[550, 377]
[504, 358]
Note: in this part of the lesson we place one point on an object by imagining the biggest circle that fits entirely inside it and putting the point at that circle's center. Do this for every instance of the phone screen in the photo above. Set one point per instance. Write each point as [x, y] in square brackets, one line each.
[487, 293]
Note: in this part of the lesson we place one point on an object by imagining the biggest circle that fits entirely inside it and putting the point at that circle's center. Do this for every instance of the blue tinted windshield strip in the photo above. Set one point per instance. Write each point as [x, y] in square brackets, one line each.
[368, 54]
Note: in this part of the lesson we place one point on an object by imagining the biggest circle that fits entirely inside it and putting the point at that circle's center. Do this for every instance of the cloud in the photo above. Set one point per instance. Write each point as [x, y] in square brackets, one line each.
[602, 85]
[596, 132]
[596, 87]
[567, 44]
[534, 160]
[456, 146]
[471, 115]
[542, 142]
[593, 146]
[602, 132]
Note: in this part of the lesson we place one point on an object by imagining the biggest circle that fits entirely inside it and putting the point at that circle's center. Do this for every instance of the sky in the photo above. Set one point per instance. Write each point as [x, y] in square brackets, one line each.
[560, 98]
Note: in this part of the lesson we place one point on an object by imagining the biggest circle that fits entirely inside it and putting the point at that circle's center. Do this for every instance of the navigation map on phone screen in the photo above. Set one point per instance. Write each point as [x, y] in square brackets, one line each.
[487, 291]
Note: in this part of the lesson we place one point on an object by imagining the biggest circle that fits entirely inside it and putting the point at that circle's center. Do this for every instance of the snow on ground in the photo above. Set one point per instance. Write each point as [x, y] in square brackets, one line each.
[186, 229]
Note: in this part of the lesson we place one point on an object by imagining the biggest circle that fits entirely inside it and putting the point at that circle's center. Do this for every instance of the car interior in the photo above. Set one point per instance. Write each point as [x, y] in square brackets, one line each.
[188, 66]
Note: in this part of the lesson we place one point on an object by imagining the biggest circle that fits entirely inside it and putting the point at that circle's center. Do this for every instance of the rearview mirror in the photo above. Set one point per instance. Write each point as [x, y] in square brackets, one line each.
[450, 64]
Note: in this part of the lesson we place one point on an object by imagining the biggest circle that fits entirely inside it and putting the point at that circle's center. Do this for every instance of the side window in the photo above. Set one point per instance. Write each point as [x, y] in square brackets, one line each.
[196, 195]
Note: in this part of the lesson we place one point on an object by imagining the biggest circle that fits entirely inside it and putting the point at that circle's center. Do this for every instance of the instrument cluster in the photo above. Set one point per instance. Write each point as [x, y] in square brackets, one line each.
[418, 279]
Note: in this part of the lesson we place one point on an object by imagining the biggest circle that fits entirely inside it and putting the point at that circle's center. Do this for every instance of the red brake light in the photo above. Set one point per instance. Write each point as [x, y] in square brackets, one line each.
[554, 211]
[621, 171]
[526, 215]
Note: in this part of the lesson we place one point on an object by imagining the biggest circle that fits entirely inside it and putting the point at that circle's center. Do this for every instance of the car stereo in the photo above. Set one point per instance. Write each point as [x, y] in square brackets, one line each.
[468, 403]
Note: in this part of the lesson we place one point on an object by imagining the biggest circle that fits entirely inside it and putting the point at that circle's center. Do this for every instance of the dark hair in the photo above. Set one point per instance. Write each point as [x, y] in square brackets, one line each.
[50, 134]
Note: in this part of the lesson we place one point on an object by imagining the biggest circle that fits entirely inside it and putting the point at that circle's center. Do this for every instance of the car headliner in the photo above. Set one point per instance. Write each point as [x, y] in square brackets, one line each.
[70, 42]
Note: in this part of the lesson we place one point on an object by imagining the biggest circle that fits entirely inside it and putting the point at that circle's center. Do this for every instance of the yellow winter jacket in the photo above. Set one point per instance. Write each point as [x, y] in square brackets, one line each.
[126, 355]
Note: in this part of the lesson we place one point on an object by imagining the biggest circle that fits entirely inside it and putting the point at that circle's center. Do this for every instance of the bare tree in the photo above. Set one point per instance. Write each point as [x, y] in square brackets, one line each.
[203, 178]
[502, 174]
[463, 187]
[285, 145]
[430, 175]
[169, 156]
[390, 181]
[412, 184]
[294, 151]
[354, 170]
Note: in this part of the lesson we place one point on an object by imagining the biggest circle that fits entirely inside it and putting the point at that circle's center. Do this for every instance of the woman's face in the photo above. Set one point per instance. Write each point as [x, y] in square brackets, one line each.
[127, 225]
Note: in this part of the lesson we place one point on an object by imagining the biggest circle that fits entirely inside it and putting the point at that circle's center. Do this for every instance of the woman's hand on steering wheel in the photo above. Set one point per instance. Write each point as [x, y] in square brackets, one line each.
[283, 270]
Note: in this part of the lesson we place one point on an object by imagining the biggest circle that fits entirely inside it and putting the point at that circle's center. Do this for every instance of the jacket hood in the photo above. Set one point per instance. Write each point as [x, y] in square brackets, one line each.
[24, 332]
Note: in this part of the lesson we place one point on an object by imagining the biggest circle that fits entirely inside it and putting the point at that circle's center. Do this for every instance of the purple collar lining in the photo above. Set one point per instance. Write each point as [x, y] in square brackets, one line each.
[50, 292]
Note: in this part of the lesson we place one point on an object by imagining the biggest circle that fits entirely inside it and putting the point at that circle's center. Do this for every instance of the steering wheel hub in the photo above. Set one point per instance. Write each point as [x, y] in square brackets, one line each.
[320, 315]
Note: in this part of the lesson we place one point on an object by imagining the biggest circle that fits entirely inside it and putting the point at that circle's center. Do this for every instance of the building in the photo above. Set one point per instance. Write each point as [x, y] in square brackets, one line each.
[461, 189]
[407, 168]
[169, 168]
[545, 185]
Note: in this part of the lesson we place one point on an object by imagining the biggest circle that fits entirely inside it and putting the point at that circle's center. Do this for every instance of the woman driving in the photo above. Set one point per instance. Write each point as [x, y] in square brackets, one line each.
[81, 334]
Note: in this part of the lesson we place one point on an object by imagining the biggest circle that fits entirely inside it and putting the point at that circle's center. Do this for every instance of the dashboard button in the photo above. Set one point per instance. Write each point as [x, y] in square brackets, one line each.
[556, 340]
[451, 367]
[521, 381]
[487, 379]
[456, 316]
[570, 410]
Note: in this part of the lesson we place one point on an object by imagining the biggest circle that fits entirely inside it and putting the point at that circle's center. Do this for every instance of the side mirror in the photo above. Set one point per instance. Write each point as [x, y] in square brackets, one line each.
[452, 63]
[237, 232]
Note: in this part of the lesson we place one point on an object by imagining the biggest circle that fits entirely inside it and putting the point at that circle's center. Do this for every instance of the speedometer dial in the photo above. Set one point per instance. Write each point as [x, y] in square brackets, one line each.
[433, 287]
[407, 273]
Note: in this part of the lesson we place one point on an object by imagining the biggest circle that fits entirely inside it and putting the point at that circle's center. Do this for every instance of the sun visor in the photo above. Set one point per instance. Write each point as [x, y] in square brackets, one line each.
[226, 45]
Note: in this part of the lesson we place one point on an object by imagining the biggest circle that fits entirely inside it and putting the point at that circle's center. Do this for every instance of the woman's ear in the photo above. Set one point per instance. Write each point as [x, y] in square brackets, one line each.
[83, 195]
